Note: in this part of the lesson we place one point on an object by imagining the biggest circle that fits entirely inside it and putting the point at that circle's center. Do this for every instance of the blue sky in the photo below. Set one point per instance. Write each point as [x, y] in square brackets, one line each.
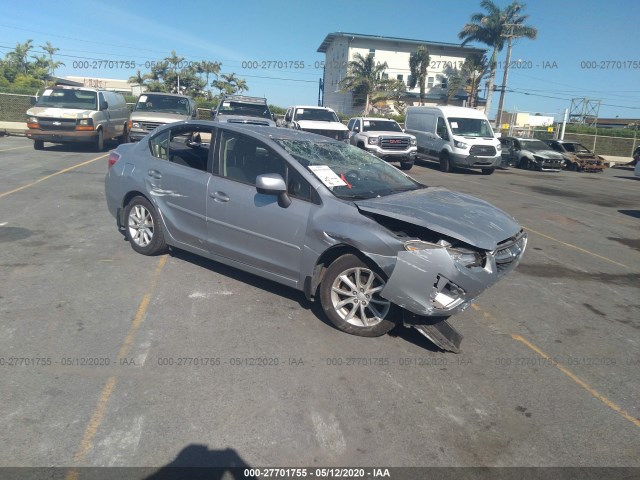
[570, 33]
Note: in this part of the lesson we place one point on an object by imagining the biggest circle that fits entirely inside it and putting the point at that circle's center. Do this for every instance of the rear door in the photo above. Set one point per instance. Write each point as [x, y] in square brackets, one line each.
[177, 177]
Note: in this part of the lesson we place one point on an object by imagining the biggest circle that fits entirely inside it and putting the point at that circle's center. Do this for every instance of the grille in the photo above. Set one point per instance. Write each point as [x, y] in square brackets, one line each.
[482, 150]
[57, 123]
[394, 143]
[509, 251]
[150, 126]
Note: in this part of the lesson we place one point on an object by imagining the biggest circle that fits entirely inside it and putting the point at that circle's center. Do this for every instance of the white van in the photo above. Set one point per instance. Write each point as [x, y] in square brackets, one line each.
[455, 136]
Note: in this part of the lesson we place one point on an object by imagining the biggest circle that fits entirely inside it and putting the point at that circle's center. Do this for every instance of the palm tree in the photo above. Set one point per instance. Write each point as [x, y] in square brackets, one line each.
[493, 28]
[50, 49]
[137, 79]
[208, 68]
[365, 81]
[475, 67]
[418, 63]
[19, 56]
[229, 84]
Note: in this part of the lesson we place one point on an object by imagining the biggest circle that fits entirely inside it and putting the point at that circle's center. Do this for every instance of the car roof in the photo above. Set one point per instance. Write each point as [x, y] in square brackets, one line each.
[377, 119]
[312, 106]
[244, 98]
[164, 94]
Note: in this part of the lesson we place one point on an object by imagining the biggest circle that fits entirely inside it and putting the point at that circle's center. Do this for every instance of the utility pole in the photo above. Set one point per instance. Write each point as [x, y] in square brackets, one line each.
[510, 36]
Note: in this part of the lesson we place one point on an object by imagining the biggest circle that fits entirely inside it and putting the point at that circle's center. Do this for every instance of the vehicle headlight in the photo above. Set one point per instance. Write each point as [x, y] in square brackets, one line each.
[499, 147]
[32, 119]
[467, 258]
[414, 141]
[460, 144]
[136, 125]
[85, 122]
[373, 140]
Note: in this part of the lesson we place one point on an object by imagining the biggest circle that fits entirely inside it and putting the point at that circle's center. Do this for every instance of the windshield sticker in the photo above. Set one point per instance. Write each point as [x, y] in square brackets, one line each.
[47, 92]
[454, 124]
[367, 123]
[143, 98]
[327, 176]
[226, 104]
[300, 111]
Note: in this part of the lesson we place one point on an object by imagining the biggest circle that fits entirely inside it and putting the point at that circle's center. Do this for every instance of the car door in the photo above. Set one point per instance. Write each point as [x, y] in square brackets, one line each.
[250, 227]
[177, 178]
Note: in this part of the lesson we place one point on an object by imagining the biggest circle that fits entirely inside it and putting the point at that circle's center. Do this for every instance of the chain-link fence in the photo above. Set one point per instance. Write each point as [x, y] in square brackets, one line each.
[602, 145]
[13, 107]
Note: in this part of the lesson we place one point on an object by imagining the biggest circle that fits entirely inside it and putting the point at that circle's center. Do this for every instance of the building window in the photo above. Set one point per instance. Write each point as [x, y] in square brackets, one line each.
[400, 78]
[430, 82]
[372, 51]
[444, 82]
[385, 76]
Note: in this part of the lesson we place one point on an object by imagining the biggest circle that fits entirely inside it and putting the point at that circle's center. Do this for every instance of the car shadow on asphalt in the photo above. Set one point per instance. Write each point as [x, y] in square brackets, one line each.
[197, 462]
[627, 178]
[455, 170]
[631, 213]
[408, 334]
[79, 147]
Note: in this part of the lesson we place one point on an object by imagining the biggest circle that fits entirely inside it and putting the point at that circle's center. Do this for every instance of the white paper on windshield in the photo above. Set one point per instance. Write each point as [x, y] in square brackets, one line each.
[327, 176]
[300, 111]
[454, 124]
[226, 104]
[367, 123]
[47, 92]
[143, 98]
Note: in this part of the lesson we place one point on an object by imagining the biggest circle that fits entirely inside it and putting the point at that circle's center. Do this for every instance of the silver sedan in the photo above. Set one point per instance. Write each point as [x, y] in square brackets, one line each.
[376, 247]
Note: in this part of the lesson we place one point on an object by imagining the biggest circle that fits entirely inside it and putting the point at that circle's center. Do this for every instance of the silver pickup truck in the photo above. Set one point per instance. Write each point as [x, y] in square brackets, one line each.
[385, 139]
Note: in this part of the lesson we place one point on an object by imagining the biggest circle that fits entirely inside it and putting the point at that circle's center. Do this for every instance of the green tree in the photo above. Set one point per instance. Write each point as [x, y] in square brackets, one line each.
[230, 84]
[19, 55]
[208, 68]
[174, 75]
[366, 81]
[455, 81]
[475, 68]
[53, 64]
[418, 64]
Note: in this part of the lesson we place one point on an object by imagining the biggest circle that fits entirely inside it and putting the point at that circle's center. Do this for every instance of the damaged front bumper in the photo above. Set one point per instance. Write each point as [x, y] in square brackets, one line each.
[433, 282]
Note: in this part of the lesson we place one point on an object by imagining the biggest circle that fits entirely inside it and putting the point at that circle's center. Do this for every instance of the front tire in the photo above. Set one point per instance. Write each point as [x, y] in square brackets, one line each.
[445, 163]
[99, 142]
[38, 145]
[143, 227]
[406, 166]
[487, 171]
[350, 297]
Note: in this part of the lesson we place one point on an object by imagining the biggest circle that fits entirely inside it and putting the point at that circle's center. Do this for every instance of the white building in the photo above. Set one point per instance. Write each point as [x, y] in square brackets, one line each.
[117, 85]
[339, 49]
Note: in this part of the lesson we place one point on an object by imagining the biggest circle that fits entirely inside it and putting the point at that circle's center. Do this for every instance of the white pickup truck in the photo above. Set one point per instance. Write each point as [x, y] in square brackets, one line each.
[319, 120]
[385, 139]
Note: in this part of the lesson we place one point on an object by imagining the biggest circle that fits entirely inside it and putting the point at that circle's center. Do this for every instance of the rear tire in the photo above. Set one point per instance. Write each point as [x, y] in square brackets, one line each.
[349, 295]
[38, 145]
[445, 163]
[487, 171]
[143, 228]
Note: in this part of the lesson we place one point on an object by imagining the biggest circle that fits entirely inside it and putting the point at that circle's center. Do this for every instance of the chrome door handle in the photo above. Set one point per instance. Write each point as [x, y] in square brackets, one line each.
[219, 196]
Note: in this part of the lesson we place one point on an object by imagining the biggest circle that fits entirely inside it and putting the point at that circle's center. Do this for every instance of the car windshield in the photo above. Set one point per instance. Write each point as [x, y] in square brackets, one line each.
[534, 145]
[244, 109]
[163, 103]
[317, 114]
[63, 98]
[470, 127]
[380, 126]
[348, 171]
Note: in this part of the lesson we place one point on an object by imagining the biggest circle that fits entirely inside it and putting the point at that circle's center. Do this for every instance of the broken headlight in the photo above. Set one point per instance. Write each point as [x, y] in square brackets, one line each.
[465, 257]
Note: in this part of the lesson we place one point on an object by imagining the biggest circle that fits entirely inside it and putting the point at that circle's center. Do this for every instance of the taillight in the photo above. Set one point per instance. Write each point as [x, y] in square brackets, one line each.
[113, 158]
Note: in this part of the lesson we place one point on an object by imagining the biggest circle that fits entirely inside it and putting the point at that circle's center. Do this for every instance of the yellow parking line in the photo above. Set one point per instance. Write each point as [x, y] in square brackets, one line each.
[4, 194]
[613, 406]
[14, 148]
[577, 248]
[98, 414]
[594, 393]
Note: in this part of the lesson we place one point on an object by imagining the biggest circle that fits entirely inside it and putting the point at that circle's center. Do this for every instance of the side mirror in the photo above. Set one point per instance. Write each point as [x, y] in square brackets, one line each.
[104, 105]
[273, 184]
[356, 128]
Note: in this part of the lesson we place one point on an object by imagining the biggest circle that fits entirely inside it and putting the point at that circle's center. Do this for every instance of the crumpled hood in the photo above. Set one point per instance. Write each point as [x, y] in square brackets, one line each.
[550, 154]
[318, 125]
[158, 117]
[453, 214]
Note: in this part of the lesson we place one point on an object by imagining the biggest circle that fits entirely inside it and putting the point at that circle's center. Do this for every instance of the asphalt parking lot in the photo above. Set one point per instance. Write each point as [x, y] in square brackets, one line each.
[110, 358]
